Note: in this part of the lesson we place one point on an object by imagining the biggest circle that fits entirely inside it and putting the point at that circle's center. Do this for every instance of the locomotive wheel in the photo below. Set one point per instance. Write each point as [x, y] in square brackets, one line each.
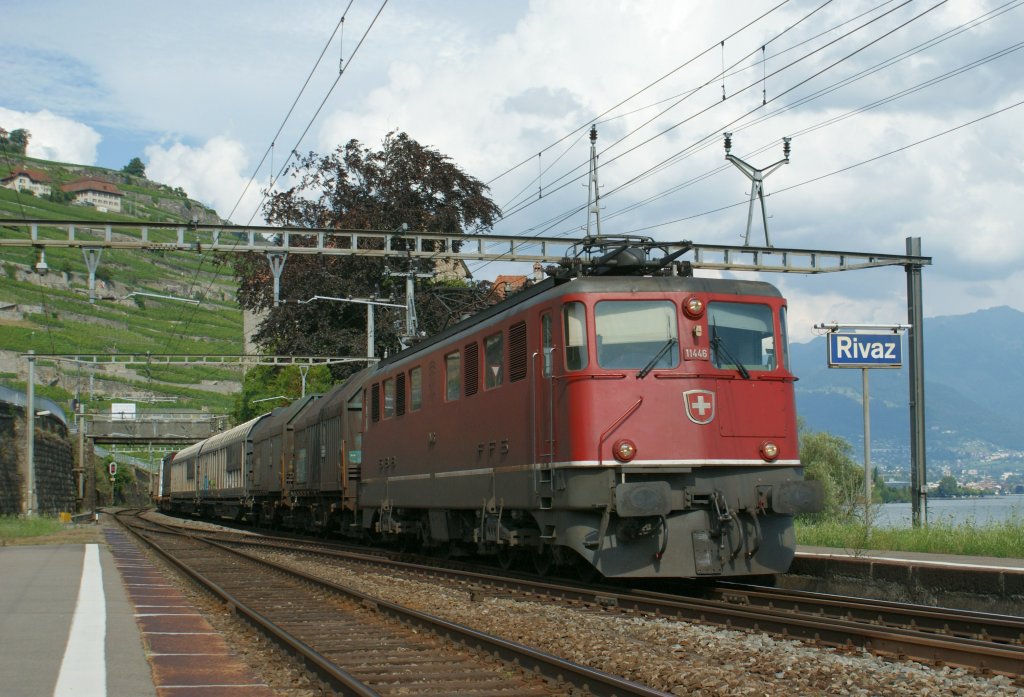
[543, 561]
[586, 571]
[506, 557]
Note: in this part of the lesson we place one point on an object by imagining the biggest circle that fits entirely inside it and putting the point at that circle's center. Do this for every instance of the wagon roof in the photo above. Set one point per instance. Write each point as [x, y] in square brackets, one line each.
[279, 418]
[332, 401]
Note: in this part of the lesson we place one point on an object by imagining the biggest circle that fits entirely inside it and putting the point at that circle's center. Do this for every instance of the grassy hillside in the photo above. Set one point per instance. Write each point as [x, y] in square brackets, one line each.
[52, 313]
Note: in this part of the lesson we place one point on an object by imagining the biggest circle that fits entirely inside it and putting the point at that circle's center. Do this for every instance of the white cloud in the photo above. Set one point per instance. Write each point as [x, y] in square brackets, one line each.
[494, 84]
[54, 137]
[213, 173]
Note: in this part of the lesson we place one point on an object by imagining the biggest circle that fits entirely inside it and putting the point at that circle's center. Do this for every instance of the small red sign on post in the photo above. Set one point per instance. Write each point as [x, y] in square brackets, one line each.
[112, 468]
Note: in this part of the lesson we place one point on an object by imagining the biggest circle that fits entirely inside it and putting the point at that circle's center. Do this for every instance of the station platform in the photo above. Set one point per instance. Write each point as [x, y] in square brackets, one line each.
[991, 584]
[921, 559]
[100, 620]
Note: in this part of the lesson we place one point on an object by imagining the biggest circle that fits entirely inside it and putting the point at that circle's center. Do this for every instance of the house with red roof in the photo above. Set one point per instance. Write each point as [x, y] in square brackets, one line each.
[103, 195]
[27, 180]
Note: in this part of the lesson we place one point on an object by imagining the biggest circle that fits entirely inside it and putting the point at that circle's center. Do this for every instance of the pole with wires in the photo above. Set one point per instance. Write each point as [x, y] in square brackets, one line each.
[756, 177]
[594, 192]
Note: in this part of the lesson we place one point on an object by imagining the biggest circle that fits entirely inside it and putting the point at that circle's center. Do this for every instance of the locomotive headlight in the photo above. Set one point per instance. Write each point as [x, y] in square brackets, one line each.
[624, 450]
[769, 451]
[693, 307]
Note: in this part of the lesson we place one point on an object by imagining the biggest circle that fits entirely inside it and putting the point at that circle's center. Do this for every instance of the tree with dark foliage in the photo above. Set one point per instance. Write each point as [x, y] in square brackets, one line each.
[356, 188]
[135, 168]
[15, 142]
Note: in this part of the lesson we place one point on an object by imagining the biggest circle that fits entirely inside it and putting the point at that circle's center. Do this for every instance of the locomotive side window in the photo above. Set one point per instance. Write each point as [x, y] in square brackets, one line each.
[742, 336]
[784, 333]
[389, 398]
[452, 376]
[375, 402]
[415, 389]
[494, 361]
[574, 315]
[548, 343]
[636, 334]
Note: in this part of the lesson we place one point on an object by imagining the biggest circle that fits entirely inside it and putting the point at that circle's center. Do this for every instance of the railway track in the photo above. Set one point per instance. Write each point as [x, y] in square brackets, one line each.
[935, 636]
[360, 645]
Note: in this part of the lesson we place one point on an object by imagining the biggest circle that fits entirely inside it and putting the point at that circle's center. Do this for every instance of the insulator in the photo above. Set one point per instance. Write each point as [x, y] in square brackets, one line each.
[593, 134]
[785, 147]
[728, 142]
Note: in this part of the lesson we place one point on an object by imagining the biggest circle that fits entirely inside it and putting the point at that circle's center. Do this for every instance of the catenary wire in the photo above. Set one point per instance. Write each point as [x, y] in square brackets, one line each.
[291, 109]
[837, 171]
[749, 86]
[294, 149]
[934, 41]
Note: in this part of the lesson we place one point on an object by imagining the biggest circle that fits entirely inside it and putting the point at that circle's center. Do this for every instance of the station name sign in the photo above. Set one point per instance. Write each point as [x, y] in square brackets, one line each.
[865, 350]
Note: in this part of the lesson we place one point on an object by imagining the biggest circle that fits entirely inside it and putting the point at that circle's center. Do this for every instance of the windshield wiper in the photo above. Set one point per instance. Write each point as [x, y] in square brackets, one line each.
[719, 346]
[657, 357]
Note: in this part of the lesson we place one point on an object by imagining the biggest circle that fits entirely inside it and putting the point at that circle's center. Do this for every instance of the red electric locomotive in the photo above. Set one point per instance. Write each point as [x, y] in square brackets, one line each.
[621, 415]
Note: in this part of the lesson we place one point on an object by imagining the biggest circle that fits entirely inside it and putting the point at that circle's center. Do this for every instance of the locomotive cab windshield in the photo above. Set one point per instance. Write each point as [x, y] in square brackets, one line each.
[636, 334]
[743, 337]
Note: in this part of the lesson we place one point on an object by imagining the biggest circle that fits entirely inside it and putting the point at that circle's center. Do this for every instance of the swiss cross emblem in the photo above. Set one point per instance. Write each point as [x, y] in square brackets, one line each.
[700, 405]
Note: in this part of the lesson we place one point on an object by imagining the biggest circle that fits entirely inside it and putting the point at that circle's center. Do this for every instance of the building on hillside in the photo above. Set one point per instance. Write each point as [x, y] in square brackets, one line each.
[95, 192]
[505, 285]
[28, 180]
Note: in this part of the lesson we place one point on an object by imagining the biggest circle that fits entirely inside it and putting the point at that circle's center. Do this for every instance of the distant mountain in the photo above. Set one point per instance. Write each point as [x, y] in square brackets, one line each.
[973, 380]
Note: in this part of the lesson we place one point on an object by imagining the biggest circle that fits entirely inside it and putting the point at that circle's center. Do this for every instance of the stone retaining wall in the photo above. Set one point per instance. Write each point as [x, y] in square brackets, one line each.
[54, 462]
[10, 477]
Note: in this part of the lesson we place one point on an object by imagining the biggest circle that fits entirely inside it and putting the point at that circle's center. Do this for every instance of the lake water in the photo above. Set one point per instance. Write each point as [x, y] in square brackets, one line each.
[979, 511]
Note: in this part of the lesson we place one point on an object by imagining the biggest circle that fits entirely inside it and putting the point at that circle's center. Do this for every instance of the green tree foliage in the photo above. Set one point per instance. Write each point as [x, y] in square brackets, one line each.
[357, 188]
[135, 168]
[948, 486]
[113, 492]
[15, 142]
[883, 493]
[266, 388]
[827, 459]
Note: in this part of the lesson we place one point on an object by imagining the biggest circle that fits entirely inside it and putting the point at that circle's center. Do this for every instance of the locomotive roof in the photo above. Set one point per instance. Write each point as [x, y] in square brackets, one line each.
[556, 287]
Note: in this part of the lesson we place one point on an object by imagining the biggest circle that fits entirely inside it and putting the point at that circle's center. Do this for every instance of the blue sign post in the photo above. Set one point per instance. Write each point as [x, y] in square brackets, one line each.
[864, 351]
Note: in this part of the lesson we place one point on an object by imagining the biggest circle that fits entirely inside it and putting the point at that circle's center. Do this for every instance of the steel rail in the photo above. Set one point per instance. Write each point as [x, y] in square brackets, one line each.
[339, 680]
[1002, 629]
[902, 642]
[594, 681]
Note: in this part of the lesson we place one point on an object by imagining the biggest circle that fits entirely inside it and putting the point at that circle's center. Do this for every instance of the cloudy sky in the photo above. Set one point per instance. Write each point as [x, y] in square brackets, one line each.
[904, 116]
